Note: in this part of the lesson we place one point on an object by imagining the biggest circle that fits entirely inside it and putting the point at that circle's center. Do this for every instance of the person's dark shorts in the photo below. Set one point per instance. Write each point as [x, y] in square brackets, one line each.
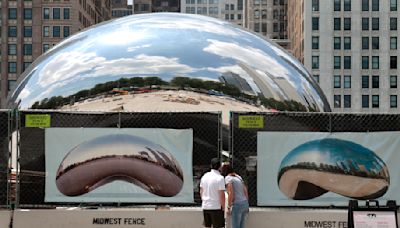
[214, 218]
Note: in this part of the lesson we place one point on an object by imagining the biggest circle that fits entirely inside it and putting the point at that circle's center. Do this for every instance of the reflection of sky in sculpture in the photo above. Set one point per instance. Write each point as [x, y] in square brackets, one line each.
[162, 45]
[334, 152]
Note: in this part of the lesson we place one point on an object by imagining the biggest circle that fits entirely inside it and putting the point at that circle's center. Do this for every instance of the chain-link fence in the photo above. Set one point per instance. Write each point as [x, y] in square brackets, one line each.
[31, 192]
[4, 155]
[243, 143]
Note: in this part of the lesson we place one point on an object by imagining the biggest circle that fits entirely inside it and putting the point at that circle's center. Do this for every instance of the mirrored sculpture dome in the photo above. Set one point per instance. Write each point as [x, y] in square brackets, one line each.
[167, 62]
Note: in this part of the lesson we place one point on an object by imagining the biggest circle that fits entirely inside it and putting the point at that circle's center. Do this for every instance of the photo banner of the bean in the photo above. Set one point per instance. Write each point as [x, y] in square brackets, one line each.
[130, 165]
[323, 169]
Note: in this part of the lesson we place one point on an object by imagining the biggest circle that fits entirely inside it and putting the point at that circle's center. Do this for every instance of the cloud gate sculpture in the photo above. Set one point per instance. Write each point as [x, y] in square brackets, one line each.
[167, 62]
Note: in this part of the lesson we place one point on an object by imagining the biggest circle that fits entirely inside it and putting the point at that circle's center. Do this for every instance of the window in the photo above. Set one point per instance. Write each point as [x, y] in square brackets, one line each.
[375, 23]
[336, 101]
[347, 101]
[347, 82]
[315, 23]
[26, 65]
[46, 13]
[337, 81]
[365, 81]
[56, 13]
[347, 5]
[66, 13]
[347, 23]
[393, 62]
[232, 7]
[11, 84]
[393, 43]
[12, 49]
[393, 101]
[56, 31]
[336, 5]
[336, 24]
[365, 5]
[393, 81]
[375, 42]
[375, 62]
[315, 5]
[375, 101]
[393, 23]
[12, 13]
[12, 31]
[365, 62]
[393, 5]
[27, 31]
[315, 42]
[347, 43]
[375, 5]
[347, 62]
[46, 31]
[365, 101]
[66, 31]
[226, 6]
[12, 67]
[365, 42]
[28, 14]
[375, 82]
[316, 77]
[336, 62]
[315, 62]
[336, 43]
[365, 23]
[46, 47]
[27, 49]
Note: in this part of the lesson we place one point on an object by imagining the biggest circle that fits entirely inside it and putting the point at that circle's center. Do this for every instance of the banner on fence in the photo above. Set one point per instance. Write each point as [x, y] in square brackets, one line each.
[322, 169]
[145, 165]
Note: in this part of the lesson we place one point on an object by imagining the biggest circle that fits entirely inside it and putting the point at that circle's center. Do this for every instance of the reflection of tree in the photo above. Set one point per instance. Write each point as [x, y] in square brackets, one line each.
[184, 83]
[349, 168]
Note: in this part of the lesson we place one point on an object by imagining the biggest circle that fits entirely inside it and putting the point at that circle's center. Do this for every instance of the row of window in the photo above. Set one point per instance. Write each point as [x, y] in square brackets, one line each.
[12, 67]
[365, 5]
[337, 23]
[365, 101]
[365, 81]
[365, 43]
[26, 50]
[365, 62]
[12, 13]
[12, 31]
[56, 31]
[56, 15]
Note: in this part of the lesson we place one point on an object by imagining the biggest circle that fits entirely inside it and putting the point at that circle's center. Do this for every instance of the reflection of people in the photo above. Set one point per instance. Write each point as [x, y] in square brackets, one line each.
[238, 198]
[212, 192]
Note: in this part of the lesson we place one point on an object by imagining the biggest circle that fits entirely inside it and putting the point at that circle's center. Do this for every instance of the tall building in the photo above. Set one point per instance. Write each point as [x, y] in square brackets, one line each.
[120, 8]
[266, 17]
[351, 48]
[30, 28]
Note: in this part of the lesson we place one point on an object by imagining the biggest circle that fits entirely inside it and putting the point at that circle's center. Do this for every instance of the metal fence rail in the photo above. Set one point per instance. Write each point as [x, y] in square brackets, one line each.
[4, 157]
[243, 143]
[206, 142]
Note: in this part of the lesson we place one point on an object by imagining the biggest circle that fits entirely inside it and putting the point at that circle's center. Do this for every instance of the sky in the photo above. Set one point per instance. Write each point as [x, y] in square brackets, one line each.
[130, 2]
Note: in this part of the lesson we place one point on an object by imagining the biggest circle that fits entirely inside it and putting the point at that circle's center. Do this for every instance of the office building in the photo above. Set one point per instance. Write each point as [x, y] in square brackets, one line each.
[120, 8]
[30, 28]
[351, 49]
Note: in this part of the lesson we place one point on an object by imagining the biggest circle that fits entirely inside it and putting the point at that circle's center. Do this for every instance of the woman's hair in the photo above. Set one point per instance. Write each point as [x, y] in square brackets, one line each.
[226, 169]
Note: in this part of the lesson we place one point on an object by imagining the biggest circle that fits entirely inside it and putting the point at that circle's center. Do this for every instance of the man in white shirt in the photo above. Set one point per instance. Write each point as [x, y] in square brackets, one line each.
[212, 192]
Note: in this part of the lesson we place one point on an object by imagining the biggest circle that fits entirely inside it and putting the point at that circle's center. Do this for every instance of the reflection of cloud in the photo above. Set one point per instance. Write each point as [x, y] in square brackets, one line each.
[132, 49]
[72, 66]
[257, 57]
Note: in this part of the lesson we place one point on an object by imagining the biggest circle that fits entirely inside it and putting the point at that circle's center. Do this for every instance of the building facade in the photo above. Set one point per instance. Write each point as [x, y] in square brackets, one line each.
[120, 8]
[351, 48]
[30, 28]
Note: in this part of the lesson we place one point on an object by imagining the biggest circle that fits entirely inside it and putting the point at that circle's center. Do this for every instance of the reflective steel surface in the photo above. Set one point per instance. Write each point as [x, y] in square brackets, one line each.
[167, 62]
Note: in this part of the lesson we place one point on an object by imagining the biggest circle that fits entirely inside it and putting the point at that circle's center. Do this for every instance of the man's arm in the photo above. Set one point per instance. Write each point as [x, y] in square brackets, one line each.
[222, 198]
[231, 194]
[201, 192]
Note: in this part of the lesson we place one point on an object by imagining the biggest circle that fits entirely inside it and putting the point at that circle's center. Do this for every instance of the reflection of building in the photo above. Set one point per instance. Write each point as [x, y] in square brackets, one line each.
[120, 8]
[165, 5]
[142, 6]
[30, 28]
[235, 80]
[351, 48]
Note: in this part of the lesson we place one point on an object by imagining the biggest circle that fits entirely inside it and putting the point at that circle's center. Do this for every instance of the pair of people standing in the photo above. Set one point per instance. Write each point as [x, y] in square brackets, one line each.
[212, 192]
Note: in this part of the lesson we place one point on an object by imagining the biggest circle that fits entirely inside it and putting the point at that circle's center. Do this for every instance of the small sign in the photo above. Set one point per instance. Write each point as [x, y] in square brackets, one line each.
[251, 121]
[374, 219]
[37, 120]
